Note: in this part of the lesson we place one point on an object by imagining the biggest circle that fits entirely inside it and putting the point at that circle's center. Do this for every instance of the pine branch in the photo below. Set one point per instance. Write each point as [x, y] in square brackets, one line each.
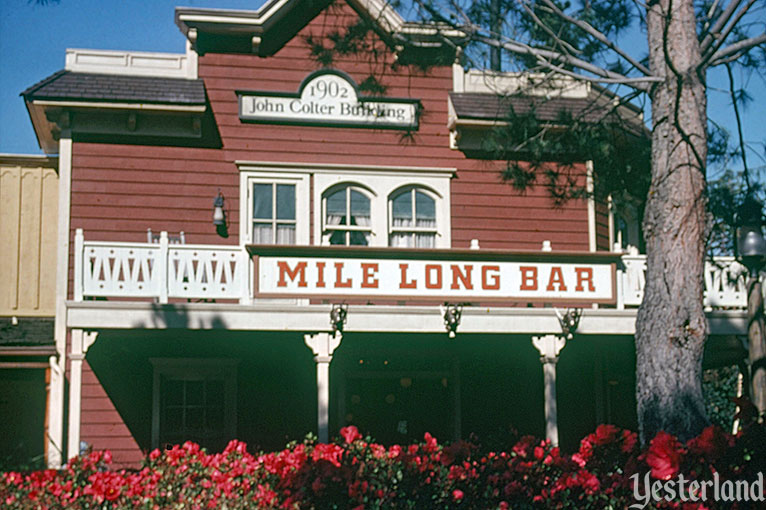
[598, 35]
[718, 26]
[736, 50]
[718, 39]
[546, 58]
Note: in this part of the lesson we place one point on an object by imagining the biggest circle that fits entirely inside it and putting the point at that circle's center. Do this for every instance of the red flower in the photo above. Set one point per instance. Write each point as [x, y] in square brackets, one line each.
[711, 442]
[350, 434]
[664, 456]
[629, 440]
[605, 434]
[457, 495]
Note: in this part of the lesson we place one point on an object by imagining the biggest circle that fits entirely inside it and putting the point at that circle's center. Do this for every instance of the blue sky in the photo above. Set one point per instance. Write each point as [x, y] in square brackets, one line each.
[33, 40]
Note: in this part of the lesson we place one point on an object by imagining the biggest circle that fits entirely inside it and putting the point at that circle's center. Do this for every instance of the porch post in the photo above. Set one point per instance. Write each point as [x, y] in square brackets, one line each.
[323, 345]
[81, 341]
[550, 346]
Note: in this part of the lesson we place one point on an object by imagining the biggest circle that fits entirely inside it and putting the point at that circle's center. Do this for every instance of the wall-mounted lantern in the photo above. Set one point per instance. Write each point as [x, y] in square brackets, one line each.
[219, 215]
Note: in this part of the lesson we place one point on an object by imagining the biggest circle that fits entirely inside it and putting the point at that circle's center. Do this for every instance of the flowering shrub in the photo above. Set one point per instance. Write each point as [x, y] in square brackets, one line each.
[354, 473]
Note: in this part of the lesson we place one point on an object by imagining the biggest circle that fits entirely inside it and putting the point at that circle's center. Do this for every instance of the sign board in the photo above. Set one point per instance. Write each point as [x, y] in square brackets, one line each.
[433, 275]
[328, 98]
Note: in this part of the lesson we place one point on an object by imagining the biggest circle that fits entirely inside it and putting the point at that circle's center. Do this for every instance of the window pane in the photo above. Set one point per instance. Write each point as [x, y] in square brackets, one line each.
[400, 240]
[359, 238]
[285, 234]
[425, 240]
[336, 208]
[425, 209]
[262, 233]
[360, 209]
[214, 391]
[262, 201]
[195, 393]
[285, 201]
[402, 210]
[173, 393]
[195, 418]
[338, 237]
[172, 420]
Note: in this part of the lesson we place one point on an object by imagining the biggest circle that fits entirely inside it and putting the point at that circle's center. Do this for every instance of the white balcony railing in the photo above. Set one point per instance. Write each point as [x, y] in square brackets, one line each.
[161, 271]
[207, 272]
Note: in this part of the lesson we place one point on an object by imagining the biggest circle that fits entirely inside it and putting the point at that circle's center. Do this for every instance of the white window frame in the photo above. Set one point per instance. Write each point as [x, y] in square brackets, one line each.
[382, 182]
[413, 229]
[196, 369]
[328, 229]
[250, 175]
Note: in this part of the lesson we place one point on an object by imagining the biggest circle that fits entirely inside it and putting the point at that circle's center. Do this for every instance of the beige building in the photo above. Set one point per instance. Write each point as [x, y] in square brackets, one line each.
[28, 229]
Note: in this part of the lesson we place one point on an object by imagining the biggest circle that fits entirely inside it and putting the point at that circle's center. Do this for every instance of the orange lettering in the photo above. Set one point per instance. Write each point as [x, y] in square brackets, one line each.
[368, 276]
[528, 277]
[485, 278]
[284, 270]
[320, 274]
[339, 283]
[584, 274]
[463, 277]
[403, 283]
[430, 268]
[556, 277]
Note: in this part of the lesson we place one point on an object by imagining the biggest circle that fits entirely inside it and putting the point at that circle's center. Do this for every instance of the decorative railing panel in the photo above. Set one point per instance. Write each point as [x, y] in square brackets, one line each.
[117, 269]
[724, 281]
[197, 271]
[208, 272]
[110, 269]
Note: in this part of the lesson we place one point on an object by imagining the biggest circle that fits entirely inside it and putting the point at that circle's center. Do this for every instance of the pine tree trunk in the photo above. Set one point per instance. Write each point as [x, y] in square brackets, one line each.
[671, 327]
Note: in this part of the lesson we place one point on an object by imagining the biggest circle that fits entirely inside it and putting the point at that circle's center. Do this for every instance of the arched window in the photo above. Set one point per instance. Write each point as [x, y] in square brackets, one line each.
[347, 217]
[412, 219]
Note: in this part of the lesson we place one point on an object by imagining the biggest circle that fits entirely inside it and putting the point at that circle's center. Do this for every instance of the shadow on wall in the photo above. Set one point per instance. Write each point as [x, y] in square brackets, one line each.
[275, 376]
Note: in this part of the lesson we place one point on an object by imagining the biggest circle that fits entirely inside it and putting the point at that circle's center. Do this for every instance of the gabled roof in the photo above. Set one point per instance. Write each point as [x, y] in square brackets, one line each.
[67, 85]
[265, 31]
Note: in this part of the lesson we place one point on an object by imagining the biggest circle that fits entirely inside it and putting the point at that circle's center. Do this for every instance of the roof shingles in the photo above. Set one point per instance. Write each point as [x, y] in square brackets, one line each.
[65, 85]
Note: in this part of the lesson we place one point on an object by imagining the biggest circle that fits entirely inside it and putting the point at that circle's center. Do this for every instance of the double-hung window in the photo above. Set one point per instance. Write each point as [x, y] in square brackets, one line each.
[274, 206]
[274, 219]
[347, 216]
[412, 219]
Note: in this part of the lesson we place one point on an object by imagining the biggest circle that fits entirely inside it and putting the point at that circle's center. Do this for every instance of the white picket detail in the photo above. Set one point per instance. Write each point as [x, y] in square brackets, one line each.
[120, 269]
[633, 279]
[149, 270]
[207, 272]
[724, 280]
[725, 283]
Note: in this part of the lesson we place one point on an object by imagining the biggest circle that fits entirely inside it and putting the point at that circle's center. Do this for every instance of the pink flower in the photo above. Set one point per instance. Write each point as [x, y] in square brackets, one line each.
[457, 495]
[664, 456]
[350, 434]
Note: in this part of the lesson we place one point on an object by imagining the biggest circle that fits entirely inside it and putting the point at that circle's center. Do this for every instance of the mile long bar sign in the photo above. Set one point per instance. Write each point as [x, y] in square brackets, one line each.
[433, 275]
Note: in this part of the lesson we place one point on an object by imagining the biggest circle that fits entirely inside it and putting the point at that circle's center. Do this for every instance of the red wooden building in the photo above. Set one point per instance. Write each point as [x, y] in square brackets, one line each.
[257, 243]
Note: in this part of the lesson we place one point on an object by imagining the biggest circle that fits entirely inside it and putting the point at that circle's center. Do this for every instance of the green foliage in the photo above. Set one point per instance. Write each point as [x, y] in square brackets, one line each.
[528, 144]
[719, 386]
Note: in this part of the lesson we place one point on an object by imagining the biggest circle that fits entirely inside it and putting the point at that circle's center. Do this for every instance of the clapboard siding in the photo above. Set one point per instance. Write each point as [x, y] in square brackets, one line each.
[102, 427]
[118, 191]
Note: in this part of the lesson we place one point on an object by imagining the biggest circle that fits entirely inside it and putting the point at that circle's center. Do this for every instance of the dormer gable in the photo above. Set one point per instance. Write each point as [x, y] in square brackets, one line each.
[267, 30]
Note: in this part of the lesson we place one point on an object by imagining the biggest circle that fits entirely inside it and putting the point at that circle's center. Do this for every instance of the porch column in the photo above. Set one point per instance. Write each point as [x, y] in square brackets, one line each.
[81, 341]
[550, 346]
[323, 345]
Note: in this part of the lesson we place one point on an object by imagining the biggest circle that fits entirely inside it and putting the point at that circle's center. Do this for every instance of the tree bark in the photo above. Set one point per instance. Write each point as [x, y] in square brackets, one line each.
[671, 327]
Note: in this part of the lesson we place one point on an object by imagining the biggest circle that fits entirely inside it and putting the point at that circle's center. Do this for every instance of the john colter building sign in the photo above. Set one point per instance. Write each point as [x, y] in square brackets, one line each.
[328, 98]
